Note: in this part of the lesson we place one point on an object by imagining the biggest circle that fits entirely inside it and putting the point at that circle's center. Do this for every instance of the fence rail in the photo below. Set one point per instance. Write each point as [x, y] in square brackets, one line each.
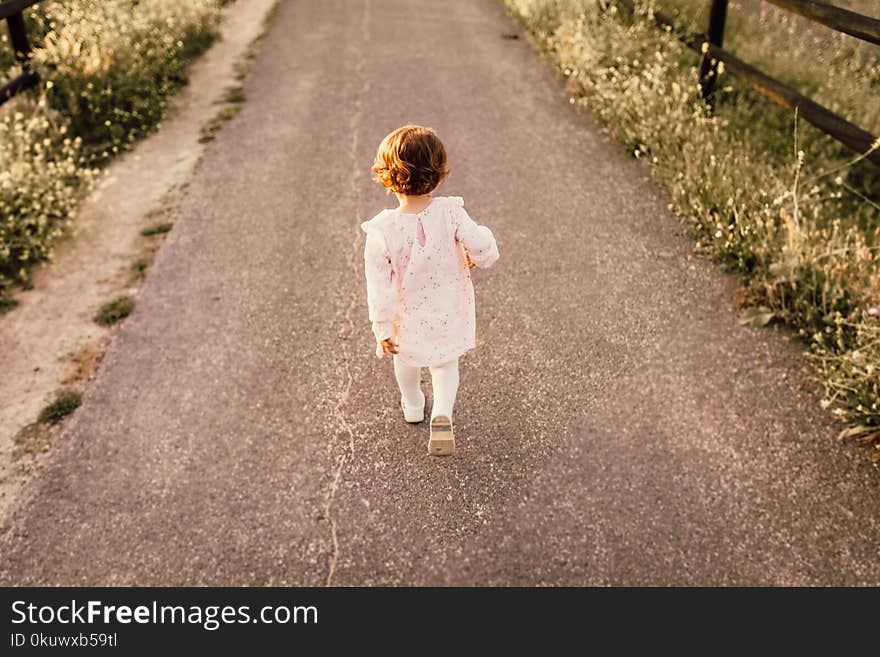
[710, 46]
[838, 19]
[12, 10]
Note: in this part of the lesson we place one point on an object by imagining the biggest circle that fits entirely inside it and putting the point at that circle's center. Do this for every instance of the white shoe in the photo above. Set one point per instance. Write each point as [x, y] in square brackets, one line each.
[413, 414]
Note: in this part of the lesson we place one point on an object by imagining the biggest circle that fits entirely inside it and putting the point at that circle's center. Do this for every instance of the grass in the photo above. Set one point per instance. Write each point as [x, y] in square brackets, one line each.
[243, 67]
[836, 70]
[269, 20]
[793, 213]
[212, 127]
[65, 403]
[158, 229]
[36, 436]
[235, 95]
[108, 70]
[114, 311]
[7, 304]
[140, 265]
[122, 93]
[30, 439]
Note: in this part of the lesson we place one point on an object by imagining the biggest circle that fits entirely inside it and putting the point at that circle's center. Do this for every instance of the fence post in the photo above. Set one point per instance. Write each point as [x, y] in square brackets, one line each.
[22, 48]
[19, 38]
[708, 70]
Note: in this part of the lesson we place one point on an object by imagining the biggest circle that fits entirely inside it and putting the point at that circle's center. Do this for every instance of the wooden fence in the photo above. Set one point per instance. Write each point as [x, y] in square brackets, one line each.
[710, 46]
[12, 10]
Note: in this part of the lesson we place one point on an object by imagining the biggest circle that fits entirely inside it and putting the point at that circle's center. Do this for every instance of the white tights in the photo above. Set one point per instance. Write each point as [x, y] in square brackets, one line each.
[444, 383]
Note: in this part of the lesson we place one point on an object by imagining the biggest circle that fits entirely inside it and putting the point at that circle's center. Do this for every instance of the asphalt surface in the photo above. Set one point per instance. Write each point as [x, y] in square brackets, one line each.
[615, 424]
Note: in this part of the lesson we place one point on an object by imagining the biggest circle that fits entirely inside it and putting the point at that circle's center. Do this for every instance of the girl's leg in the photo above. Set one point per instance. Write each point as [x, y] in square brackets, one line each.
[408, 380]
[444, 381]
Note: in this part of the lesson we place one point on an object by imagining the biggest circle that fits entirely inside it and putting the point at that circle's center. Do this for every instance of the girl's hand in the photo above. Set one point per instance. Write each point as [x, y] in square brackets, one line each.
[388, 346]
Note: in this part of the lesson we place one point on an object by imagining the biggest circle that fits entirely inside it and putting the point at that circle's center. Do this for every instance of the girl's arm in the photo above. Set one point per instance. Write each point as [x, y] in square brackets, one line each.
[478, 240]
[381, 288]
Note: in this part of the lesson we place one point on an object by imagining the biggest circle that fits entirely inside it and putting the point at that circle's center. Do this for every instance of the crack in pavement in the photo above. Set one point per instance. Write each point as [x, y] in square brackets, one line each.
[355, 180]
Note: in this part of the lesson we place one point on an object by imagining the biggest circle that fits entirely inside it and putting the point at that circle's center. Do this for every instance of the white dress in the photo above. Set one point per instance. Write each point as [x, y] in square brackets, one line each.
[418, 282]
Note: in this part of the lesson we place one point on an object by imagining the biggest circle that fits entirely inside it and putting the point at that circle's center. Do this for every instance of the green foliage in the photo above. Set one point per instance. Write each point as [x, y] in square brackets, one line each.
[140, 265]
[836, 70]
[157, 229]
[235, 95]
[112, 312]
[110, 66]
[796, 216]
[42, 174]
[65, 403]
[212, 127]
[36, 436]
[6, 305]
[108, 69]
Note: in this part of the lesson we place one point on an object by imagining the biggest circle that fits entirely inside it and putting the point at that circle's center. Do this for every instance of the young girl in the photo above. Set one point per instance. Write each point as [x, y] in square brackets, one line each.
[419, 287]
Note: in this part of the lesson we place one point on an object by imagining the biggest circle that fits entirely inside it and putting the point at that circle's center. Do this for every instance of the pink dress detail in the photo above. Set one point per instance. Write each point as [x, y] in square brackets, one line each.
[418, 282]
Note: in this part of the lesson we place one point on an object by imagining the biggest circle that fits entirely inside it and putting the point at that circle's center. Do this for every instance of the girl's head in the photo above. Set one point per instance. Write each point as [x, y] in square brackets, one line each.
[411, 161]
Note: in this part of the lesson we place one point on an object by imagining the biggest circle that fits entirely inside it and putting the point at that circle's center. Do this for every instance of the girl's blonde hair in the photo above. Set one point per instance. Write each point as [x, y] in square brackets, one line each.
[411, 160]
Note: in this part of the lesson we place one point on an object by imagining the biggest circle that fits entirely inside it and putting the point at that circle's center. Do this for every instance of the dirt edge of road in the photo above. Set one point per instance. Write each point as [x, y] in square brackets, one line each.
[50, 341]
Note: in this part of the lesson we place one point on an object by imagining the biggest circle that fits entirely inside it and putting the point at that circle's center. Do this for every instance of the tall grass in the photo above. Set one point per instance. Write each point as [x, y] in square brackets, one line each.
[786, 207]
[835, 69]
[108, 69]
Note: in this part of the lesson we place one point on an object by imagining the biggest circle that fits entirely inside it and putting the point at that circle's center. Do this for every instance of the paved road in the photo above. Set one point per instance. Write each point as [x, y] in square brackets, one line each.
[616, 425]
